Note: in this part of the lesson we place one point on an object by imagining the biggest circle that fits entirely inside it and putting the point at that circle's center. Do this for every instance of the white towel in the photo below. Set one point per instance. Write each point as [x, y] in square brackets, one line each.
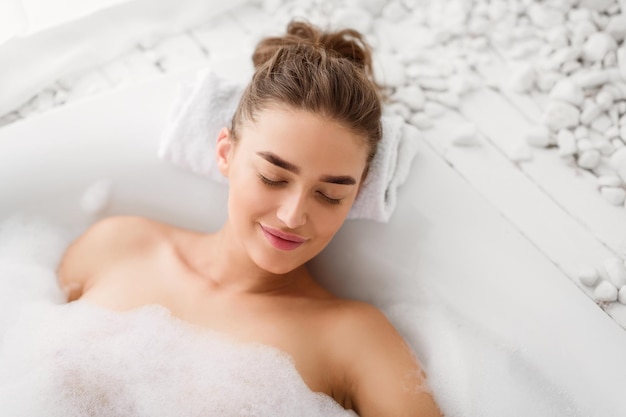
[206, 105]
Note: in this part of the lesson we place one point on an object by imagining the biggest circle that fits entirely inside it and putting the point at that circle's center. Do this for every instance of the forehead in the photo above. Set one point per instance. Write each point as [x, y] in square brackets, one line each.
[305, 139]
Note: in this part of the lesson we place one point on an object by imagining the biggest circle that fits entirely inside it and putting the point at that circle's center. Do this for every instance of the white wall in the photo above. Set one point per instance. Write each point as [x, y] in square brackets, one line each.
[42, 43]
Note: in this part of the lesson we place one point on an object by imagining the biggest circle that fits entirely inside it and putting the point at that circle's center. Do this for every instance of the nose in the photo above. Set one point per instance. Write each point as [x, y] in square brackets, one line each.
[292, 210]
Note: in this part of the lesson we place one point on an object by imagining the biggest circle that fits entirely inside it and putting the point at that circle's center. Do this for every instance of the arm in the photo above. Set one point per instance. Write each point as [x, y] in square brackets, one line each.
[102, 243]
[385, 378]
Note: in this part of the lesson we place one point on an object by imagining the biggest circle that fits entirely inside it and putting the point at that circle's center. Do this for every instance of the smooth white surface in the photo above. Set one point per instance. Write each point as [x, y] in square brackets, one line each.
[444, 243]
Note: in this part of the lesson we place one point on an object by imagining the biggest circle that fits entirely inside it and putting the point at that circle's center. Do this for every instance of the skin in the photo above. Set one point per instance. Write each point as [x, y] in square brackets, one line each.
[290, 171]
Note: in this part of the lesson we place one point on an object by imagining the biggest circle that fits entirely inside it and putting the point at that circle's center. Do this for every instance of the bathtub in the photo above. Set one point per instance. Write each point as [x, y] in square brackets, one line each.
[500, 330]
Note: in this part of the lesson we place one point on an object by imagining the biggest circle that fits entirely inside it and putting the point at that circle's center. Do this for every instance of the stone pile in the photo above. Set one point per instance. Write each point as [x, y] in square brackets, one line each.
[568, 54]
[608, 283]
[580, 66]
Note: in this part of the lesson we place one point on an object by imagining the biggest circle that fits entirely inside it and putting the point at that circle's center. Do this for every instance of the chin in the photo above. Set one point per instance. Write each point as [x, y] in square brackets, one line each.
[276, 266]
[280, 262]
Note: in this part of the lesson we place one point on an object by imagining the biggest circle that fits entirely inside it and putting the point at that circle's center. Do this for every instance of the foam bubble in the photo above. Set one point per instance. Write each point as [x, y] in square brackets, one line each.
[30, 250]
[78, 359]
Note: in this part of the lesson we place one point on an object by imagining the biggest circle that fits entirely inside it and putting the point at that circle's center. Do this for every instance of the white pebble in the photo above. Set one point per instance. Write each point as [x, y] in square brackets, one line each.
[570, 67]
[616, 271]
[398, 109]
[617, 27]
[354, 17]
[588, 275]
[563, 55]
[433, 83]
[97, 197]
[270, 6]
[610, 61]
[621, 61]
[581, 132]
[589, 159]
[597, 45]
[394, 11]
[591, 78]
[523, 78]
[559, 115]
[461, 84]
[605, 292]
[613, 195]
[434, 109]
[590, 111]
[581, 30]
[373, 6]
[611, 133]
[579, 15]
[604, 99]
[557, 37]
[597, 5]
[390, 70]
[584, 145]
[600, 19]
[617, 89]
[601, 123]
[618, 162]
[422, 121]
[566, 90]
[605, 147]
[621, 295]
[412, 95]
[447, 99]
[538, 136]
[466, 135]
[544, 17]
[566, 142]
[609, 181]
[617, 144]
[546, 80]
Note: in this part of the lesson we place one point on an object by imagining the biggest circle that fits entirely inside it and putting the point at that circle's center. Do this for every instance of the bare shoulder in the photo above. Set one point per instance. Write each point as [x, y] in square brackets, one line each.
[382, 375]
[104, 242]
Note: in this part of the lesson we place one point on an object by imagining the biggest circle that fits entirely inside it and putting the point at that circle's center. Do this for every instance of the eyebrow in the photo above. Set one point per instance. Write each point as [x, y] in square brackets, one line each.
[279, 162]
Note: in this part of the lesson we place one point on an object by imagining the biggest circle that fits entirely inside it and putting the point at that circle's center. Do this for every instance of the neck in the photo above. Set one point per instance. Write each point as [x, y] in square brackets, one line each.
[223, 261]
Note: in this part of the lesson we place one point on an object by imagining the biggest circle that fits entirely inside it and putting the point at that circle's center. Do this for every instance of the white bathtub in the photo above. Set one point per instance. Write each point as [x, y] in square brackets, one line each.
[478, 290]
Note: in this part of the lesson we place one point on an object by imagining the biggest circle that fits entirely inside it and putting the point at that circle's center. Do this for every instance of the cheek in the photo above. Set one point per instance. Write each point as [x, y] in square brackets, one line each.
[247, 197]
[327, 221]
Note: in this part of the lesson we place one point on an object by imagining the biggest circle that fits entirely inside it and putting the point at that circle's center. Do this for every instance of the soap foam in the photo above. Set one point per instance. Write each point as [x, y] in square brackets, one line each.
[30, 249]
[78, 359]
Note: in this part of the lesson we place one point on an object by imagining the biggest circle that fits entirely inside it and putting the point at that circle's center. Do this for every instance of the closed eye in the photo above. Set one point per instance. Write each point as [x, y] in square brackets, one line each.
[321, 195]
[327, 199]
[271, 183]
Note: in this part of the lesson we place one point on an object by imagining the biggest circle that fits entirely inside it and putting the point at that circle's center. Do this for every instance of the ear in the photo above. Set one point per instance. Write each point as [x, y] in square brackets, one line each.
[224, 150]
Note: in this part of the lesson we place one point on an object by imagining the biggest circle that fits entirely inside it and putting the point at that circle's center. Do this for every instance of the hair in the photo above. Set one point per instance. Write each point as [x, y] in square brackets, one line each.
[326, 73]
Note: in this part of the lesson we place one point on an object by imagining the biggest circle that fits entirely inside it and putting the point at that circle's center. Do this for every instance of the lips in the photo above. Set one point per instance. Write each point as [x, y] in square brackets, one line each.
[281, 240]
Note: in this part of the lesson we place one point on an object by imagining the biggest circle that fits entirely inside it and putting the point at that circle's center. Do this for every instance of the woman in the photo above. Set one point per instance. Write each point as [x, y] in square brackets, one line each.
[299, 148]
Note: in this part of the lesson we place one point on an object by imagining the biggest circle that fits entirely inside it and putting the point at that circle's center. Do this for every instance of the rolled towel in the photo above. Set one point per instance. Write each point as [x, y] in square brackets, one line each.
[208, 104]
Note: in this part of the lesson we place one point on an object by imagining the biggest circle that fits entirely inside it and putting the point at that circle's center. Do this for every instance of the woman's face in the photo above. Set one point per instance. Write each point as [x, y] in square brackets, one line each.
[293, 178]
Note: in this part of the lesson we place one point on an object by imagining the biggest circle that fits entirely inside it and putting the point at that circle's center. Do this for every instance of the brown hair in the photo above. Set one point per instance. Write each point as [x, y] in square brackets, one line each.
[327, 73]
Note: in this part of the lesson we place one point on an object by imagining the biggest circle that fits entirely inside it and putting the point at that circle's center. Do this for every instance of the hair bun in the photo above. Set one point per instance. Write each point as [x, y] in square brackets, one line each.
[346, 43]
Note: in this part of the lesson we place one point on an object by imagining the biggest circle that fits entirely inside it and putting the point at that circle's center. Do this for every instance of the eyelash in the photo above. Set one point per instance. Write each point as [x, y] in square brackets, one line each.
[324, 197]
